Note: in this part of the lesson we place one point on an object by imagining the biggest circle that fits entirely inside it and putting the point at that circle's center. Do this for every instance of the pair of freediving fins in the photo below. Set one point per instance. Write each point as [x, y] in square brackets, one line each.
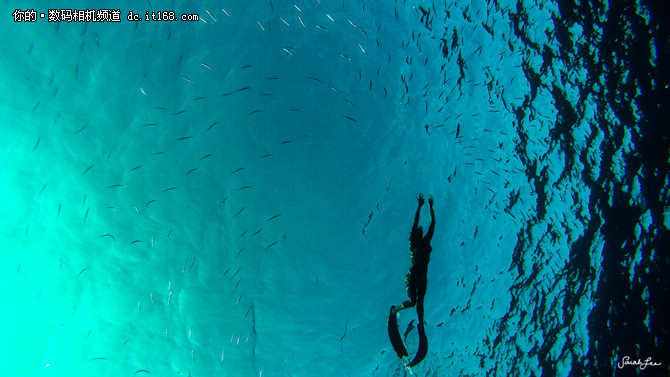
[399, 346]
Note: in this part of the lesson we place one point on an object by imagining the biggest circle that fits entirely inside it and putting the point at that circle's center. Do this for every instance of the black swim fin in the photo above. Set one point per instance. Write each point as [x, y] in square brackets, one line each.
[423, 346]
[394, 334]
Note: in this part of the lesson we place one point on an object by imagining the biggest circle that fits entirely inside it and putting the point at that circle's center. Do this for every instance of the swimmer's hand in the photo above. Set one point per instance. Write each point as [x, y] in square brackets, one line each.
[430, 200]
[420, 199]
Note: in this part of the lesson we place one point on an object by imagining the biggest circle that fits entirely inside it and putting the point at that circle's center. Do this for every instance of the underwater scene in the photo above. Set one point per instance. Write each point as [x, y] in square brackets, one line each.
[334, 188]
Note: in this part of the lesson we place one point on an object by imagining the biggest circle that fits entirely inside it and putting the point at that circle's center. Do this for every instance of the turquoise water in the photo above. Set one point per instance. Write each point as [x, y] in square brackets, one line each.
[232, 196]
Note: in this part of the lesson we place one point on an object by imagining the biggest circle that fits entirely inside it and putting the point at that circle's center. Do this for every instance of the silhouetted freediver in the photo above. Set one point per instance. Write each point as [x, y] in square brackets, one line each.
[416, 281]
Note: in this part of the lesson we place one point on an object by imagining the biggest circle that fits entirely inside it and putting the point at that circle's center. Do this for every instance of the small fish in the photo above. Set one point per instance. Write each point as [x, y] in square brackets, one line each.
[236, 272]
[134, 242]
[191, 171]
[135, 168]
[211, 15]
[179, 112]
[351, 119]
[160, 108]
[37, 142]
[244, 188]
[79, 130]
[114, 186]
[240, 211]
[236, 170]
[210, 127]
[245, 316]
[254, 112]
[186, 79]
[149, 202]
[247, 66]
[224, 274]
[206, 156]
[149, 124]
[184, 138]
[286, 142]
[170, 189]
[265, 156]
[87, 169]
[273, 217]
[82, 271]
[270, 245]
[205, 65]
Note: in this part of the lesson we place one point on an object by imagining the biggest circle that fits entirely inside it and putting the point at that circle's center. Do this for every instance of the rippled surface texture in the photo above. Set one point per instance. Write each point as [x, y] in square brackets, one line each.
[232, 196]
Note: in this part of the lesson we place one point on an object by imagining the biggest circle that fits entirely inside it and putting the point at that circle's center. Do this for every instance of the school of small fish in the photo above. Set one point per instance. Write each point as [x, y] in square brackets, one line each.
[140, 200]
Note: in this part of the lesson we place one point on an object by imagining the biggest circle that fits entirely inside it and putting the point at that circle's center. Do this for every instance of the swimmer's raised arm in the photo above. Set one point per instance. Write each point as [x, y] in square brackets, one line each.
[431, 228]
[418, 211]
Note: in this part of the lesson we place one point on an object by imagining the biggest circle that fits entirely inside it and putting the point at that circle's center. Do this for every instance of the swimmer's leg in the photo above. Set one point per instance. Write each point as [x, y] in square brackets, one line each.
[413, 290]
[394, 333]
[423, 340]
[405, 305]
[423, 346]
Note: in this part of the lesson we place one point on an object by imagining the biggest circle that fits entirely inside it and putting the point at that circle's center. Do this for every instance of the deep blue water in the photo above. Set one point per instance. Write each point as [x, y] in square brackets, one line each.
[233, 195]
